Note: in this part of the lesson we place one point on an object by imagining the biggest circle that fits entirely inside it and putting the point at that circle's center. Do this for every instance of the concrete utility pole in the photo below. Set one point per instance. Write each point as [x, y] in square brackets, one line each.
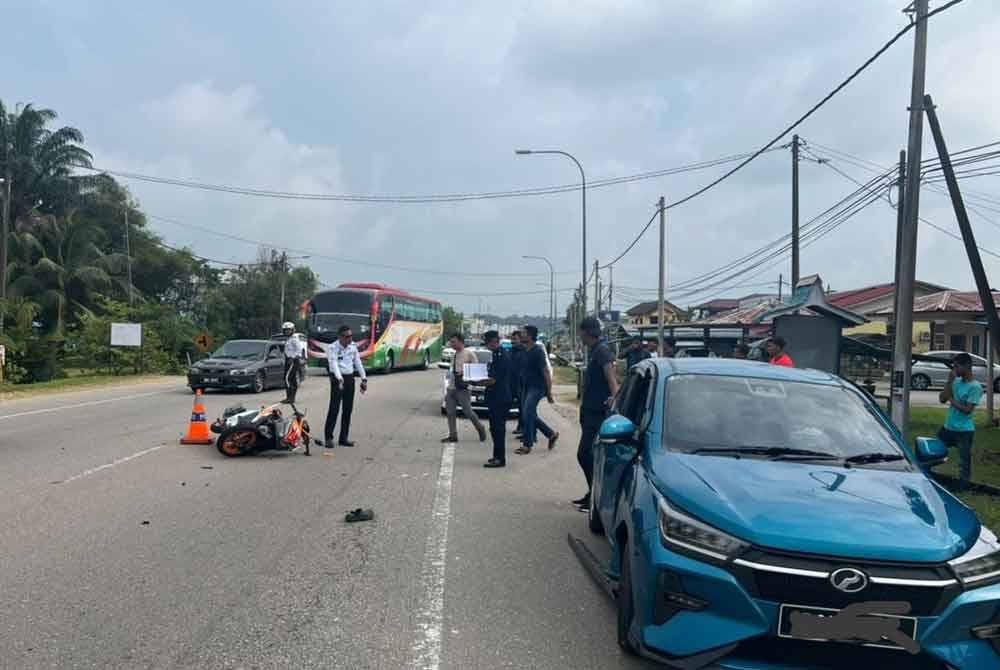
[597, 291]
[284, 280]
[7, 181]
[781, 281]
[795, 210]
[611, 286]
[663, 273]
[128, 257]
[901, 190]
[903, 345]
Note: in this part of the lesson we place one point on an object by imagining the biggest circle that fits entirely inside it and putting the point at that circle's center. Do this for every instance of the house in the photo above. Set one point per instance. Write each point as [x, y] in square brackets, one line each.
[955, 320]
[645, 314]
[713, 307]
[876, 303]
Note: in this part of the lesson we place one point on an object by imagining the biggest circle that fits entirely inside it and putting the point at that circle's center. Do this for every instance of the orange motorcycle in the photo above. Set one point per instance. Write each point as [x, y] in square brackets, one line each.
[242, 432]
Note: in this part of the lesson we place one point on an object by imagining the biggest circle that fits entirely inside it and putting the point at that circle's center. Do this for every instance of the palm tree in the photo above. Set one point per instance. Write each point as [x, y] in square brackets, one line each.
[59, 265]
[40, 161]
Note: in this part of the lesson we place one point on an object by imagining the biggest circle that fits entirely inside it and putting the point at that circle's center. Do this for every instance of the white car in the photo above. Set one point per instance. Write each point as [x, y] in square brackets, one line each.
[476, 391]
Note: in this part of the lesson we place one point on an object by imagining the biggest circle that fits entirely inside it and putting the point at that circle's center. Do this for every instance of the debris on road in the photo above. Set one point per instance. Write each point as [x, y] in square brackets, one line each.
[145, 523]
[359, 515]
[207, 467]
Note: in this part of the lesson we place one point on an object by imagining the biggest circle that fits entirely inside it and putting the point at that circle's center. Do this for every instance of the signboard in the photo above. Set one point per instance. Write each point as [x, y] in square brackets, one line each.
[203, 341]
[609, 315]
[126, 334]
[3, 355]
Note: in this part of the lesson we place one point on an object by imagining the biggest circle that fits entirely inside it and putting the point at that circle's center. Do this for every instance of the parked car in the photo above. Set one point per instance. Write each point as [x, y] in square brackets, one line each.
[746, 505]
[256, 365]
[476, 391]
[927, 374]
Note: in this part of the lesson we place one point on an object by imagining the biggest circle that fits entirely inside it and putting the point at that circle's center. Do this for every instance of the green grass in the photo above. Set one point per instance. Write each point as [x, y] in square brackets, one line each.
[563, 375]
[76, 380]
[925, 422]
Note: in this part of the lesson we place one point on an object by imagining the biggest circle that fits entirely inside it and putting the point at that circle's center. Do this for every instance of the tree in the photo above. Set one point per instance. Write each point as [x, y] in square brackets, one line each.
[452, 321]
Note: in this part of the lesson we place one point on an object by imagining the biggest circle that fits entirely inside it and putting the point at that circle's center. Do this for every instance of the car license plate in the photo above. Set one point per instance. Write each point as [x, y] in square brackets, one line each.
[211, 380]
[905, 624]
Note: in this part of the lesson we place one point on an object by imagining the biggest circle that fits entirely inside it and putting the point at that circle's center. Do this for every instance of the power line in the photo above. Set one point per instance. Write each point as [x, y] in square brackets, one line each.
[802, 118]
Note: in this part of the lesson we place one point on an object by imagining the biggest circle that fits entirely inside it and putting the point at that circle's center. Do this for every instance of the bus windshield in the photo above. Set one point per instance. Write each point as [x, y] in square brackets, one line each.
[324, 327]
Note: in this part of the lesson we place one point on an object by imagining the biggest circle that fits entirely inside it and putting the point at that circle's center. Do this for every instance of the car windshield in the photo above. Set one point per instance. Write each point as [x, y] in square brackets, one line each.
[241, 349]
[706, 412]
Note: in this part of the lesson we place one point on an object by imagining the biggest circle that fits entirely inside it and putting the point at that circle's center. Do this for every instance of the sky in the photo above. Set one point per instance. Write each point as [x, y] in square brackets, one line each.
[407, 98]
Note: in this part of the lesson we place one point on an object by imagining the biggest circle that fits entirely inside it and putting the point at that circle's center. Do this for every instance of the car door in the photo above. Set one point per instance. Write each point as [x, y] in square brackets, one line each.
[615, 459]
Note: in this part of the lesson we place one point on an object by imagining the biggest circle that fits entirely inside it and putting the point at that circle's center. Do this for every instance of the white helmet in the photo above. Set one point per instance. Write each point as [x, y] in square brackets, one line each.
[288, 325]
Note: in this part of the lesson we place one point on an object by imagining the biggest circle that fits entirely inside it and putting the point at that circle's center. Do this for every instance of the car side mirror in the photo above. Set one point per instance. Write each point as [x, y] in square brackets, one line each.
[616, 429]
[931, 451]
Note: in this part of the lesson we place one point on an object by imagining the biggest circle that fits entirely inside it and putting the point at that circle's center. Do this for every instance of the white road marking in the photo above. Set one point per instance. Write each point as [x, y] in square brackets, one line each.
[430, 618]
[90, 403]
[106, 466]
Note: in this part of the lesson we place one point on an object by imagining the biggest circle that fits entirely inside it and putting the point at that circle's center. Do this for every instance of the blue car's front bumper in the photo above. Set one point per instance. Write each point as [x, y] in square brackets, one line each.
[724, 626]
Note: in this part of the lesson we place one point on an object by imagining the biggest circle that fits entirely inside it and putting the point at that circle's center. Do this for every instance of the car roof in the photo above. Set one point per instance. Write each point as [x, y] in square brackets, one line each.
[732, 367]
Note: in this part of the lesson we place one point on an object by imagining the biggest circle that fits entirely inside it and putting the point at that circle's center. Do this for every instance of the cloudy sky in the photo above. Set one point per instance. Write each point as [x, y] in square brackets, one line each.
[433, 97]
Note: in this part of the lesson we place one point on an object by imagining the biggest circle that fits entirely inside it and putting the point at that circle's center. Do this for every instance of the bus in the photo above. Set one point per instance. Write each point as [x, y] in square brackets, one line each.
[392, 328]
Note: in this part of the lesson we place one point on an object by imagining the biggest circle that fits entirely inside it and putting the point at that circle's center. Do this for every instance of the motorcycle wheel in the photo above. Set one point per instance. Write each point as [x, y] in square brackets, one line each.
[236, 443]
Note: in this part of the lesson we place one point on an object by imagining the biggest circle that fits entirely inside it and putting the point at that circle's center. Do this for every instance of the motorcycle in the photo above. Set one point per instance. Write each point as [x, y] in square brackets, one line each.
[242, 432]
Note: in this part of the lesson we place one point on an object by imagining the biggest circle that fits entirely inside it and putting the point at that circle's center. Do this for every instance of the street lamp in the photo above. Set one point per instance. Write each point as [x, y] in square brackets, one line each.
[552, 291]
[583, 181]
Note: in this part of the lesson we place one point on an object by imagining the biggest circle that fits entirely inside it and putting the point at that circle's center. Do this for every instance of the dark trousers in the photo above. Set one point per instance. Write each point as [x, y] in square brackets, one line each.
[498, 430]
[962, 440]
[532, 423]
[590, 425]
[519, 403]
[339, 397]
[291, 378]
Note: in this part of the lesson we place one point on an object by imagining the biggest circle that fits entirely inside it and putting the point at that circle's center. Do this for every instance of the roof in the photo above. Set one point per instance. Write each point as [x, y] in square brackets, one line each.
[719, 304]
[747, 315]
[859, 296]
[381, 288]
[651, 306]
[742, 368]
[948, 301]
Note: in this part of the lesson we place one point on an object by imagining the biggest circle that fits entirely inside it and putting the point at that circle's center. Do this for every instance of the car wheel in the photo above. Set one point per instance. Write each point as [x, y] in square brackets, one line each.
[259, 382]
[996, 385]
[920, 382]
[444, 412]
[594, 517]
[626, 603]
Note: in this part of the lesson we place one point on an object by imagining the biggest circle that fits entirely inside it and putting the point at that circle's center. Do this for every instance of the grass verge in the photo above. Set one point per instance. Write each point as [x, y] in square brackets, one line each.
[77, 382]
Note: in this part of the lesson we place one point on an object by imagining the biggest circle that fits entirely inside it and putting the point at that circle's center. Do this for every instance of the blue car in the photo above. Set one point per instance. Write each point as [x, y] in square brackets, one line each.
[765, 518]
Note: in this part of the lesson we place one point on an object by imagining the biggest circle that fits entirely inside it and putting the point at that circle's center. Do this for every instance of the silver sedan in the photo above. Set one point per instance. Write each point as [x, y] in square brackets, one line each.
[927, 374]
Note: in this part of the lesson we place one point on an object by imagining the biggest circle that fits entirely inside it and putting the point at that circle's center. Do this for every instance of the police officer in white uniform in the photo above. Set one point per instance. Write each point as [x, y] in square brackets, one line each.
[344, 362]
[295, 354]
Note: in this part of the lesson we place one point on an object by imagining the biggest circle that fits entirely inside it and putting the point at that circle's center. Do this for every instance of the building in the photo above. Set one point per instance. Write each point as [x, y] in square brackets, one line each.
[645, 314]
[955, 320]
[876, 304]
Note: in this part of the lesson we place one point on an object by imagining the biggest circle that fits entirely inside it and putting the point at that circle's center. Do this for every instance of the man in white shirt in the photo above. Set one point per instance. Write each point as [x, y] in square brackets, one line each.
[458, 390]
[295, 353]
[344, 363]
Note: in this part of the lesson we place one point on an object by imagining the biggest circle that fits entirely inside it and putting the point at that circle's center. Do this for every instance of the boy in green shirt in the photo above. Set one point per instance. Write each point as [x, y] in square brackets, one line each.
[962, 393]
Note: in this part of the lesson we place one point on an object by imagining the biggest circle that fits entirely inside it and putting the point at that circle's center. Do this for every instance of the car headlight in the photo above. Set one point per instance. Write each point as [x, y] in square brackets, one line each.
[981, 563]
[239, 372]
[680, 531]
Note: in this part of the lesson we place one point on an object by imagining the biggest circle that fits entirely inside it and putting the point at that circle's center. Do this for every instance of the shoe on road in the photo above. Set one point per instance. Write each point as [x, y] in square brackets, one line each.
[494, 463]
[482, 434]
[445, 440]
[552, 441]
[585, 500]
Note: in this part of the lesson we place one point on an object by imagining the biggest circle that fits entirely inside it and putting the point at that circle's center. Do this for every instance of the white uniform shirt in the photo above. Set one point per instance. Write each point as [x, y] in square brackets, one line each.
[344, 361]
[294, 347]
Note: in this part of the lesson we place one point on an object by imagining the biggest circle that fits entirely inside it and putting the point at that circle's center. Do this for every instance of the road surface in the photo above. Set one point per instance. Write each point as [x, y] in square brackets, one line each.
[120, 548]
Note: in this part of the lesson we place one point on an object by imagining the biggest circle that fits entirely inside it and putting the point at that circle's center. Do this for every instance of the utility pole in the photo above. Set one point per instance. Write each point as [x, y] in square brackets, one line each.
[795, 210]
[284, 280]
[781, 281]
[611, 286]
[903, 345]
[900, 221]
[663, 272]
[597, 291]
[7, 180]
[128, 257]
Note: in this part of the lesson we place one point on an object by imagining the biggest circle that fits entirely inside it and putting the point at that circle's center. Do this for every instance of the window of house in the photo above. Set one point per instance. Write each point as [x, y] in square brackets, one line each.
[957, 342]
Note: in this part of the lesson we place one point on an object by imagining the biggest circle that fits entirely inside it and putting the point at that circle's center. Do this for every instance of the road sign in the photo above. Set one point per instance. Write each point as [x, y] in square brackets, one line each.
[203, 341]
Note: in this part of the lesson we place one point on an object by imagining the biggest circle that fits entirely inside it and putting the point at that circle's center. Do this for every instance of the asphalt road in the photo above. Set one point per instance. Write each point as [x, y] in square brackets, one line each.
[120, 548]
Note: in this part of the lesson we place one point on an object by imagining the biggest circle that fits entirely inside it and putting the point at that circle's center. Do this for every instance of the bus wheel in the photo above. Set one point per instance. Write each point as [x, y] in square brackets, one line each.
[390, 363]
[427, 360]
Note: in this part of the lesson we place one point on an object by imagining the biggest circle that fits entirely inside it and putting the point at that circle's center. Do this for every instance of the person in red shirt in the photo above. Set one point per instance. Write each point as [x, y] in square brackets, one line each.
[776, 350]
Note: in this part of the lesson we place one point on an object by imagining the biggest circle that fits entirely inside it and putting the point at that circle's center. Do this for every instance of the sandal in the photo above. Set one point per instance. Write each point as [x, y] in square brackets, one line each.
[359, 515]
[522, 450]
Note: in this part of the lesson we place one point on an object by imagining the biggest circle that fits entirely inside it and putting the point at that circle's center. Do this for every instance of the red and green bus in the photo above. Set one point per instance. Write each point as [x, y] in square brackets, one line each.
[392, 328]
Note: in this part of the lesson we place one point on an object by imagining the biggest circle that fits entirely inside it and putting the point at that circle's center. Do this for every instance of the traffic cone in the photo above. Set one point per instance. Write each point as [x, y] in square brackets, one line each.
[197, 432]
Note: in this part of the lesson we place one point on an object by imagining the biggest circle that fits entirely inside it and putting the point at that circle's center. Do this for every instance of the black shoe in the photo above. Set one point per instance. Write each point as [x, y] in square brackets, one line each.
[584, 508]
[585, 500]
[326, 443]
[446, 440]
[494, 463]
[345, 443]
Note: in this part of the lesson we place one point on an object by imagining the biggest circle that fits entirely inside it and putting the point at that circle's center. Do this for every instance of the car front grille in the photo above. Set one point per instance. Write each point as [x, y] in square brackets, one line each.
[768, 575]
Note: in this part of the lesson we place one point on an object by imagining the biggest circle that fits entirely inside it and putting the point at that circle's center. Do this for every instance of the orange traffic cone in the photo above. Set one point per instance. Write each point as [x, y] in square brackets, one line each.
[198, 427]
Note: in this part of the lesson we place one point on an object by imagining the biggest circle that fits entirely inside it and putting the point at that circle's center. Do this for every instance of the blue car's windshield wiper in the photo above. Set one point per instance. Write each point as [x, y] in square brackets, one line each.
[773, 452]
[874, 457]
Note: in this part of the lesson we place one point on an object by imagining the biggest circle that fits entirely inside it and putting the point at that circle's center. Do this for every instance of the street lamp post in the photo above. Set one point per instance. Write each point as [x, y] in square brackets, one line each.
[552, 291]
[583, 190]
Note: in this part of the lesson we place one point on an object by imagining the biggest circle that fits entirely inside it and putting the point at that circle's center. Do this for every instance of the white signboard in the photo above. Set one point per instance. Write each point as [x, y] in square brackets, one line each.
[3, 355]
[126, 334]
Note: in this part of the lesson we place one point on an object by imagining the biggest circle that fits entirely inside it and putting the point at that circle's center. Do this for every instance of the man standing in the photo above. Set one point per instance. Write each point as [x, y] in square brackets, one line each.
[599, 391]
[458, 390]
[635, 354]
[669, 347]
[776, 353]
[741, 351]
[962, 393]
[344, 362]
[295, 352]
[517, 349]
[537, 383]
[498, 398]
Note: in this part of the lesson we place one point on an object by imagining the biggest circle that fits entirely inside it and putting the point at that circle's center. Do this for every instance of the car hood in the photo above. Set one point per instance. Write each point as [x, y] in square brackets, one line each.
[863, 513]
[226, 363]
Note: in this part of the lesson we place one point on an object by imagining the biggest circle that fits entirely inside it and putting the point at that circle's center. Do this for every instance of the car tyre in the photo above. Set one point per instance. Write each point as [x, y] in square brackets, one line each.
[259, 382]
[444, 412]
[626, 603]
[996, 385]
[920, 382]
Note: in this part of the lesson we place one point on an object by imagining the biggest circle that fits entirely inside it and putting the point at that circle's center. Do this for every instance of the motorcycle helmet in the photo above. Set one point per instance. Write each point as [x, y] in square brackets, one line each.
[288, 327]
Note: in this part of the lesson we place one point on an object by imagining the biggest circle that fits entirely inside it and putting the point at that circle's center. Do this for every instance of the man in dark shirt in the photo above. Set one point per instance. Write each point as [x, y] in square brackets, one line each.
[498, 398]
[536, 384]
[636, 353]
[517, 372]
[600, 387]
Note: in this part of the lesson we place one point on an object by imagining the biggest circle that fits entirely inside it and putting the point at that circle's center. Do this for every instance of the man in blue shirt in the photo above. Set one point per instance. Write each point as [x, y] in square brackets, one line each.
[536, 383]
[962, 393]
[499, 396]
[636, 353]
[600, 387]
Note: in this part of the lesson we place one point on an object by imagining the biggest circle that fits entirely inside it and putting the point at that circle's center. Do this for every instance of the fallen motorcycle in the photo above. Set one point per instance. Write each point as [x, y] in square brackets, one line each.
[242, 432]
